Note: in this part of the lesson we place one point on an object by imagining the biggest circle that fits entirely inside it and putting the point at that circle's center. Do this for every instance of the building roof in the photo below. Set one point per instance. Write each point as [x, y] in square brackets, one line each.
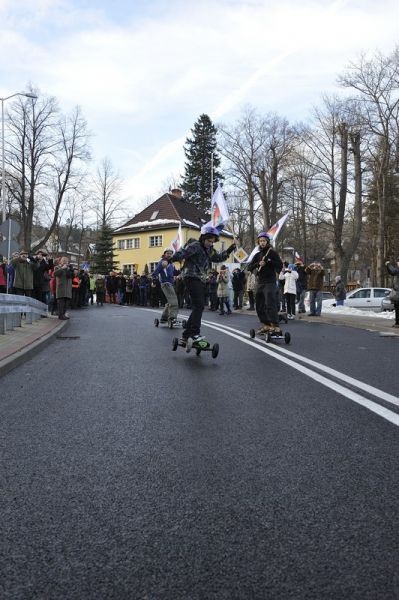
[166, 212]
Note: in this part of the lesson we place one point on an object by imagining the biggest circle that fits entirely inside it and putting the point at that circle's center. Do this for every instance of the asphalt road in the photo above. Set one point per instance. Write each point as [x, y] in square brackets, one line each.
[130, 471]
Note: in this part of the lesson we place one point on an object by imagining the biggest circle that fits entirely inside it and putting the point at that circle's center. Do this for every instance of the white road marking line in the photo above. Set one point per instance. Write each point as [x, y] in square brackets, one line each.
[351, 395]
[365, 387]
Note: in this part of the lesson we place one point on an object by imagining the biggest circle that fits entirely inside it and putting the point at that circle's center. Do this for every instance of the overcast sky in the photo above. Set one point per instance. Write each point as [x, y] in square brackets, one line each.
[144, 70]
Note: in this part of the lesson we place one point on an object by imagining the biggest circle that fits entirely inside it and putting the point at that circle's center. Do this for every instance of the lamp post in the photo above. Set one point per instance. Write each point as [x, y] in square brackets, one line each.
[3, 170]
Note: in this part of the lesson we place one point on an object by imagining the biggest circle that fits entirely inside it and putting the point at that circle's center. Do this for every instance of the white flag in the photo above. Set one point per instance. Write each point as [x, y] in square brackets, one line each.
[277, 227]
[178, 241]
[273, 232]
[219, 211]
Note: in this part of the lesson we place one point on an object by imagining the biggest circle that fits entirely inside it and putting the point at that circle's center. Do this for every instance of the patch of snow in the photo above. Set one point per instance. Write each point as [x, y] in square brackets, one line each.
[348, 310]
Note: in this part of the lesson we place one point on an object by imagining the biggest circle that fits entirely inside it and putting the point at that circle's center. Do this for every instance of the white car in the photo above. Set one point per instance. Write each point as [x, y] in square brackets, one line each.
[369, 298]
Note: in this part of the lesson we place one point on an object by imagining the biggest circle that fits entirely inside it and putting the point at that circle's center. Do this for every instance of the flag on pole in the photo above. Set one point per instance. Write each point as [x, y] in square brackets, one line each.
[219, 211]
[273, 232]
[178, 241]
[277, 227]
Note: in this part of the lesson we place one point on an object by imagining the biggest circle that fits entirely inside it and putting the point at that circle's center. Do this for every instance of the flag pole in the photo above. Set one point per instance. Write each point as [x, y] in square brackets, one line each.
[211, 174]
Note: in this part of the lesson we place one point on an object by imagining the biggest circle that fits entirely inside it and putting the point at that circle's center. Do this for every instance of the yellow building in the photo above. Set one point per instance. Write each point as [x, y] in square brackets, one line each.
[142, 239]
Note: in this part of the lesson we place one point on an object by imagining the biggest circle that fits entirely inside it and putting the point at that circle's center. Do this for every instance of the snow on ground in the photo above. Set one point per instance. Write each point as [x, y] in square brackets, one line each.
[347, 310]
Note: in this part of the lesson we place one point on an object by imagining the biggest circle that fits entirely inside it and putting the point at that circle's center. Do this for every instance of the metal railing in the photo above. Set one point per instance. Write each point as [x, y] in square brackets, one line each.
[12, 307]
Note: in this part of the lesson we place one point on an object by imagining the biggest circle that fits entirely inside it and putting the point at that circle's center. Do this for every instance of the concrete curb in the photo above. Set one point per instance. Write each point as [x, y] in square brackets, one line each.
[25, 353]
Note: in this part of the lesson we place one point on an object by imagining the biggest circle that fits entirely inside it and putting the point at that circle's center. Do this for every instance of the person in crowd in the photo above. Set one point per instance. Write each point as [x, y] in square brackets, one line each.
[3, 276]
[212, 285]
[289, 276]
[165, 272]
[41, 278]
[75, 289]
[92, 287]
[64, 274]
[238, 283]
[394, 295]
[223, 291]
[339, 291]
[100, 290]
[121, 289]
[266, 263]
[144, 285]
[24, 267]
[198, 257]
[84, 288]
[280, 291]
[180, 290]
[129, 290]
[136, 289]
[301, 285]
[10, 270]
[251, 285]
[53, 289]
[315, 274]
[111, 285]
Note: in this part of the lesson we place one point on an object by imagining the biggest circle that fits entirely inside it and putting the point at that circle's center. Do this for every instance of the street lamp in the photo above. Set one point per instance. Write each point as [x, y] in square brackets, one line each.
[3, 173]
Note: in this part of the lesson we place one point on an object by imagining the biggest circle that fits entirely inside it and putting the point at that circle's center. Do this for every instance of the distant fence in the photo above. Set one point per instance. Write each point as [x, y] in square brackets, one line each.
[12, 307]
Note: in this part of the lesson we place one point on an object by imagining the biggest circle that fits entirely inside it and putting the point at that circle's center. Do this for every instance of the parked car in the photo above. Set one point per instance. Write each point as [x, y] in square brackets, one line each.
[386, 304]
[369, 298]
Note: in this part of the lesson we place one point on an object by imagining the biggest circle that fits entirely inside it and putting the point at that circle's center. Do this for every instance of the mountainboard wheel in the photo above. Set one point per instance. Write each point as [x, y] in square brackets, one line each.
[287, 337]
[189, 344]
[156, 322]
[252, 333]
[175, 343]
[268, 337]
[170, 323]
[215, 350]
[184, 323]
[198, 351]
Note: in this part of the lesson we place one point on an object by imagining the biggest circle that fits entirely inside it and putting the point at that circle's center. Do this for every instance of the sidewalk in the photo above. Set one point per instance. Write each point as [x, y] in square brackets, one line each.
[21, 343]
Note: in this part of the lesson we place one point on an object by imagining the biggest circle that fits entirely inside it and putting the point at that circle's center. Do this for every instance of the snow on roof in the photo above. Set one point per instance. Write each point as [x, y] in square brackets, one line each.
[149, 223]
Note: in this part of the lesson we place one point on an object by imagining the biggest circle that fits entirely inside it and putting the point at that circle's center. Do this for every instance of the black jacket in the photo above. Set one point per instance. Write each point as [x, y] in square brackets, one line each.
[274, 264]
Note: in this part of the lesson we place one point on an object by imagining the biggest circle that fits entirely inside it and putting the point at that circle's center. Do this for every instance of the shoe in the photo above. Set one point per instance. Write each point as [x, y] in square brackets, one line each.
[395, 325]
[264, 328]
[229, 312]
[197, 338]
[311, 314]
[63, 318]
[221, 313]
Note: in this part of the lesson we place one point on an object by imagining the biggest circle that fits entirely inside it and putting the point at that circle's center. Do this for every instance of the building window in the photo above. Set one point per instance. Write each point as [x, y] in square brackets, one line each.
[152, 266]
[131, 268]
[136, 243]
[155, 241]
[154, 215]
[121, 244]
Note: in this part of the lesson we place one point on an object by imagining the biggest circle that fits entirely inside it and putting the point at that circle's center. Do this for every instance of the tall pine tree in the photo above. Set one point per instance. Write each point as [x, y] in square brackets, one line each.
[199, 151]
[104, 254]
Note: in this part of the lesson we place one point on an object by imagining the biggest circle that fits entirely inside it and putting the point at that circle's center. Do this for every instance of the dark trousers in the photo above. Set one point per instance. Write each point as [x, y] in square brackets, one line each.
[62, 304]
[21, 292]
[290, 302]
[196, 289]
[266, 303]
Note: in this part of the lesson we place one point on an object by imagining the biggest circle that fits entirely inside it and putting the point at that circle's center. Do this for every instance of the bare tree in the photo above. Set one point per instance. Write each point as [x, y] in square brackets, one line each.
[45, 154]
[376, 83]
[107, 188]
